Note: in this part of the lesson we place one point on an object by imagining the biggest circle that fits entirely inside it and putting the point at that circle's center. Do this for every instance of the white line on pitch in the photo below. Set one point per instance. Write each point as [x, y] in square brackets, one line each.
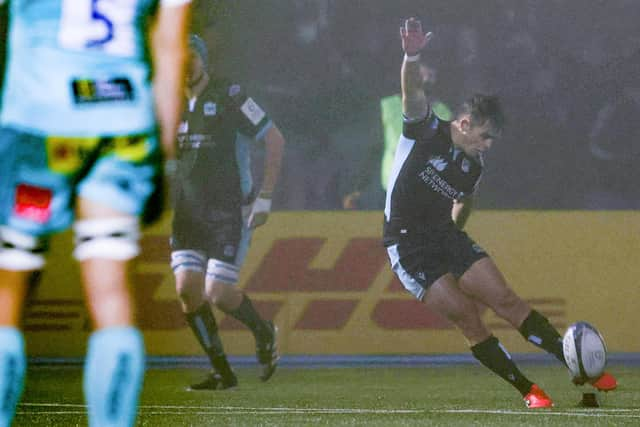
[217, 410]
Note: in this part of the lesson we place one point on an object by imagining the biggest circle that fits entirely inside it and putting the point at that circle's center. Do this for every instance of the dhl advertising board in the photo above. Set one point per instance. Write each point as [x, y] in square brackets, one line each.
[324, 278]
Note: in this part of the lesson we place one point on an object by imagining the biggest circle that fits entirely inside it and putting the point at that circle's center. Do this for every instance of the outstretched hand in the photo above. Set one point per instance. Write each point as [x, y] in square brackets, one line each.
[413, 38]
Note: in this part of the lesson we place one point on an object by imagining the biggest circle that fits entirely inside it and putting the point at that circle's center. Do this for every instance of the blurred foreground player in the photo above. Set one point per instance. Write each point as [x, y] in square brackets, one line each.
[79, 144]
[213, 188]
[436, 169]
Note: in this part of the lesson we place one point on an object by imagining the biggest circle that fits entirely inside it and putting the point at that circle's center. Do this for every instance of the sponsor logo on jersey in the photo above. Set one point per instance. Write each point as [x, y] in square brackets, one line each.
[88, 91]
[210, 108]
[252, 111]
[438, 163]
[430, 175]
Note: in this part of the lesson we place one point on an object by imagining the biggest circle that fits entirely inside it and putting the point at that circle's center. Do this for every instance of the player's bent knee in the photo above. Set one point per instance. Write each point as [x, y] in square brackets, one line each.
[107, 238]
[20, 251]
[222, 294]
[189, 292]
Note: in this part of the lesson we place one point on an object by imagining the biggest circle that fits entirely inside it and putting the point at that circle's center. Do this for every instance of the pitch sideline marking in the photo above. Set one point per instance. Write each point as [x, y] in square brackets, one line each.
[222, 410]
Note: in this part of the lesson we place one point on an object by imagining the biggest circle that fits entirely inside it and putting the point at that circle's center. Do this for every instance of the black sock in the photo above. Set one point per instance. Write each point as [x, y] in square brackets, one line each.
[537, 330]
[204, 326]
[492, 355]
[248, 316]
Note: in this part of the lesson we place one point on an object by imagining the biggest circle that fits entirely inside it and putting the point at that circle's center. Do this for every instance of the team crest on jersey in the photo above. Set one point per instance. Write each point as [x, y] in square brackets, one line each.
[466, 165]
[210, 108]
[439, 163]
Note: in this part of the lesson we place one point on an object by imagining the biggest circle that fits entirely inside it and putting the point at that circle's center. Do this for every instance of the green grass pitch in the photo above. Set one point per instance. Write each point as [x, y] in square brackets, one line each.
[459, 395]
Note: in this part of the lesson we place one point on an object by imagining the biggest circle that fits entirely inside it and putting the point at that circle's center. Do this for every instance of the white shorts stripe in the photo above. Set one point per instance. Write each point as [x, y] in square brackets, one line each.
[406, 279]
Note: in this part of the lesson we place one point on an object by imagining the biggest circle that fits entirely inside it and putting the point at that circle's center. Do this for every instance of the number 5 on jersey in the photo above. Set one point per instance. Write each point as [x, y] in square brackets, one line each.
[107, 25]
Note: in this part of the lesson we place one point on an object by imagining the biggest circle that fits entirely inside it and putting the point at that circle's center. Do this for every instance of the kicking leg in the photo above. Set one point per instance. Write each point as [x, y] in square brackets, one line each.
[445, 298]
[483, 281]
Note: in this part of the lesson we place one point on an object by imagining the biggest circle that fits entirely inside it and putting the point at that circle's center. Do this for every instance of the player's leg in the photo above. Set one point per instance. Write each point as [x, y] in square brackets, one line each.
[486, 283]
[189, 269]
[112, 195]
[13, 289]
[21, 254]
[445, 298]
[105, 242]
[229, 298]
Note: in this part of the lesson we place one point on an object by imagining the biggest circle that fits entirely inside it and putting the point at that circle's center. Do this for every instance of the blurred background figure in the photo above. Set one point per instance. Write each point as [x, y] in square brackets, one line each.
[216, 207]
[390, 114]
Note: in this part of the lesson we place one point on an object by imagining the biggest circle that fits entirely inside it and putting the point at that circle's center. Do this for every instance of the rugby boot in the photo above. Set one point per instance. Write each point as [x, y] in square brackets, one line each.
[537, 398]
[210, 382]
[214, 381]
[605, 382]
[267, 353]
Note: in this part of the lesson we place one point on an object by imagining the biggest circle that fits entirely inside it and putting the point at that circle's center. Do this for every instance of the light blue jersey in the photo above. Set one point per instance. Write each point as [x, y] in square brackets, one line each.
[78, 68]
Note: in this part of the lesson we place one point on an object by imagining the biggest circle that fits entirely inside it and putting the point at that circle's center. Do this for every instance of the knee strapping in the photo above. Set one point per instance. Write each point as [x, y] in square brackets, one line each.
[188, 260]
[222, 272]
[20, 251]
[110, 238]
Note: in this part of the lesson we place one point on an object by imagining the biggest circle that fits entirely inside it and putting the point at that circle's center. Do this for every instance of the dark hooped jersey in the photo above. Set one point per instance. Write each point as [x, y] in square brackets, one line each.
[208, 178]
[428, 174]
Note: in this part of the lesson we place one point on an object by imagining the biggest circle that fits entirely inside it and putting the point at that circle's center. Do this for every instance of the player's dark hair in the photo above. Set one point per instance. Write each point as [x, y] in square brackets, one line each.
[484, 108]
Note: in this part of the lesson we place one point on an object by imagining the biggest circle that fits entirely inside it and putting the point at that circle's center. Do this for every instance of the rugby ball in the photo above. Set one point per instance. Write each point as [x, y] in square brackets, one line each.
[584, 351]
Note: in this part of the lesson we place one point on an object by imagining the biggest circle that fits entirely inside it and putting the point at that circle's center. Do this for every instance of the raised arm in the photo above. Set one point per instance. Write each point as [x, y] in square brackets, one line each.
[169, 53]
[414, 100]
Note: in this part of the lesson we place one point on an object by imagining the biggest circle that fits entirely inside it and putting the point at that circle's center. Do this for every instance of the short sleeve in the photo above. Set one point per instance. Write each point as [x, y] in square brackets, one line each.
[254, 121]
[420, 129]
